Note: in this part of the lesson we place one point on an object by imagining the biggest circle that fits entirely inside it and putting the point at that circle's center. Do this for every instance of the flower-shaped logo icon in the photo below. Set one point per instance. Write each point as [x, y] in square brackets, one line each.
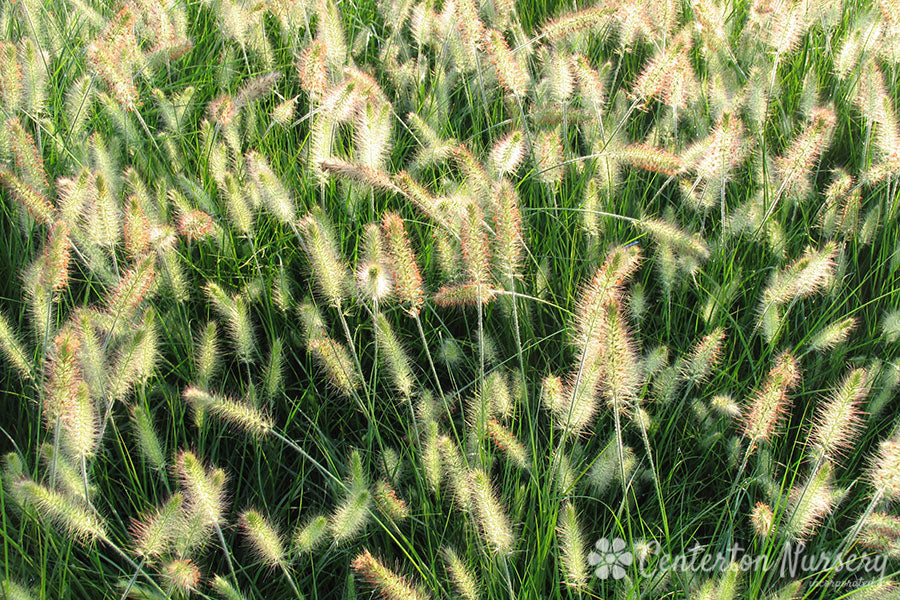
[610, 558]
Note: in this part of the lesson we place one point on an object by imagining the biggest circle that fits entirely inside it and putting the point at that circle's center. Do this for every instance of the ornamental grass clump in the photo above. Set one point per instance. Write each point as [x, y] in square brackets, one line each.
[456, 299]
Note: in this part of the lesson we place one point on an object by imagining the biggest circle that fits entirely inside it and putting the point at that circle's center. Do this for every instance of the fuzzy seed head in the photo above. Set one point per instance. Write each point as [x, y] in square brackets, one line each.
[833, 334]
[464, 582]
[262, 537]
[183, 574]
[838, 419]
[809, 274]
[240, 414]
[508, 153]
[394, 356]
[507, 443]
[75, 519]
[770, 401]
[153, 533]
[389, 503]
[390, 585]
[762, 519]
[702, 361]
[572, 547]
[312, 533]
[328, 269]
[337, 362]
[203, 489]
[405, 270]
[810, 503]
[490, 515]
[13, 351]
[885, 470]
[374, 281]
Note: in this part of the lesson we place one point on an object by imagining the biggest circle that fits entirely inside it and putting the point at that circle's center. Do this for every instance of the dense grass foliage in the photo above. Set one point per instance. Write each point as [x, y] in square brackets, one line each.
[422, 299]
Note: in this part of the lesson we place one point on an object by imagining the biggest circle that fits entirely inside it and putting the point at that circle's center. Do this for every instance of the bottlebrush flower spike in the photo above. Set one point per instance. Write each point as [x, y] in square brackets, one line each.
[405, 270]
[147, 439]
[703, 359]
[12, 349]
[11, 86]
[136, 228]
[76, 520]
[493, 523]
[222, 111]
[620, 374]
[510, 72]
[360, 173]
[132, 289]
[263, 538]
[113, 56]
[795, 165]
[807, 275]
[548, 156]
[79, 423]
[390, 505]
[30, 198]
[833, 334]
[422, 199]
[207, 359]
[576, 22]
[810, 503]
[507, 443]
[239, 414]
[669, 76]
[507, 153]
[389, 584]
[374, 281]
[507, 241]
[475, 246]
[580, 395]
[312, 70]
[153, 533]
[394, 356]
[650, 158]
[328, 269]
[103, 226]
[464, 582]
[619, 265]
[884, 472]
[271, 190]
[466, 294]
[351, 516]
[572, 547]
[183, 574]
[770, 401]
[762, 519]
[311, 534]
[195, 225]
[781, 24]
[715, 156]
[372, 134]
[454, 471]
[63, 375]
[204, 489]
[28, 160]
[590, 84]
[69, 477]
[15, 591]
[676, 238]
[337, 362]
[881, 533]
[838, 419]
